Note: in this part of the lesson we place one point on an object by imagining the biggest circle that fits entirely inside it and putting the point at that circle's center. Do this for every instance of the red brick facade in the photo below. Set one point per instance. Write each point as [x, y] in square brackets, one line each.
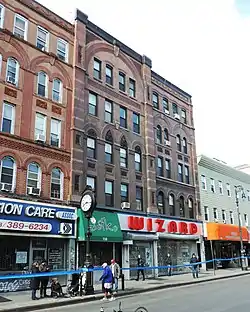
[21, 145]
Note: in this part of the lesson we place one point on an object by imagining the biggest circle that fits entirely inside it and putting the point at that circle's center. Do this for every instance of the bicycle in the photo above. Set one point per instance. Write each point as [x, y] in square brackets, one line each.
[140, 309]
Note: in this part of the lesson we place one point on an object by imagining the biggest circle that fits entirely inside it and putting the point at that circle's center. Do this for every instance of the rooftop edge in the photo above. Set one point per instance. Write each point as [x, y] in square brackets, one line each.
[143, 59]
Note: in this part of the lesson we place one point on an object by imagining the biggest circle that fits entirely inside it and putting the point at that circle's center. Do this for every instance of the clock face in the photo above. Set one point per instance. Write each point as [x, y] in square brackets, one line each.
[86, 202]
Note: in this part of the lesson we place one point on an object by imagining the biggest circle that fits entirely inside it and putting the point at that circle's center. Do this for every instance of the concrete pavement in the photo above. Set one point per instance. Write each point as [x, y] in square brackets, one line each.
[219, 296]
[21, 301]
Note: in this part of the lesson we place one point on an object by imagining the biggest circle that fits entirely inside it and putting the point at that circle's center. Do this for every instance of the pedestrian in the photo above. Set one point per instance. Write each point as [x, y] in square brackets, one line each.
[169, 264]
[140, 264]
[35, 281]
[194, 266]
[115, 268]
[107, 279]
[44, 279]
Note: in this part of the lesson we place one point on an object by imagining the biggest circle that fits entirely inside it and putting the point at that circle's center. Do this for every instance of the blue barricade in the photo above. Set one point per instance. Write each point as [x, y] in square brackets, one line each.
[81, 270]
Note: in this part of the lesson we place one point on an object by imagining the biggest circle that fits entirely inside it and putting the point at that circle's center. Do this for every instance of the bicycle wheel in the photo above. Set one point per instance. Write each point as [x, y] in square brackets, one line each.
[141, 309]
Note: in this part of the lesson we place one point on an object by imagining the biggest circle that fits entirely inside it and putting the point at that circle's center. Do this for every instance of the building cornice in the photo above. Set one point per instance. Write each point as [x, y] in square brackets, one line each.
[216, 166]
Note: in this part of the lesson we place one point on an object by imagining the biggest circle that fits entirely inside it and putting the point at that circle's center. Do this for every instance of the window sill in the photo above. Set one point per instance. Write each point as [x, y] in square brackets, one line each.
[11, 85]
[91, 159]
[109, 85]
[126, 129]
[139, 134]
[97, 79]
[44, 98]
[123, 92]
[123, 168]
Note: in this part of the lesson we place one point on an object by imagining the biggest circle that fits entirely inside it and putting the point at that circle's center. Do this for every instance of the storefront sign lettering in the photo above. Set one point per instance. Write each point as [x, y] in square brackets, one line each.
[161, 225]
[8, 208]
[12, 285]
[104, 225]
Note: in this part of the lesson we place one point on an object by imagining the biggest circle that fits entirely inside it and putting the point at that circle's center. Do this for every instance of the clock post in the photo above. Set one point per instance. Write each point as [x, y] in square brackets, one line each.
[88, 204]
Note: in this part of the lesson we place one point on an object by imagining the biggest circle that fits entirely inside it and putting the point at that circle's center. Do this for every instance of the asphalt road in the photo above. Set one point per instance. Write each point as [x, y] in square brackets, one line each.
[231, 295]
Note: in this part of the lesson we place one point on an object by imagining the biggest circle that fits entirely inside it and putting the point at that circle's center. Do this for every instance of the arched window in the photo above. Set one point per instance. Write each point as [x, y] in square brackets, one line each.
[184, 144]
[109, 148]
[123, 153]
[158, 135]
[34, 176]
[42, 84]
[178, 142]
[138, 159]
[166, 137]
[57, 90]
[160, 203]
[182, 206]
[8, 173]
[56, 187]
[171, 202]
[91, 144]
[12, 72]
[191, 208]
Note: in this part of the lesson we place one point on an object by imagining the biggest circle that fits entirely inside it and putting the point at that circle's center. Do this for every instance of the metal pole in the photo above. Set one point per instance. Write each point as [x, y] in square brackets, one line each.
[243, 267]
[212, 254]
[89, 289]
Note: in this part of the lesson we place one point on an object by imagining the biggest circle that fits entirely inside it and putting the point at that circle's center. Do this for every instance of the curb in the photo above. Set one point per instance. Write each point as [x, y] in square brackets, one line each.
[125, 293]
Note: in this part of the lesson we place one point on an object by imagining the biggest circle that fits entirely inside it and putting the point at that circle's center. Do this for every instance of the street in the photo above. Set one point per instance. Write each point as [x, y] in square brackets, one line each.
[218, 296]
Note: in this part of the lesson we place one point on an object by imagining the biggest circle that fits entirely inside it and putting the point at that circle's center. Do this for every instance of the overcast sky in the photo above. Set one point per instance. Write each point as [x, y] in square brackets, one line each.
[202, 46]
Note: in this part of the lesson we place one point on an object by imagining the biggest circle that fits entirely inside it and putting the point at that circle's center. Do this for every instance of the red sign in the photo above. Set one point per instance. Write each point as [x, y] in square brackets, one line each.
[161, 225]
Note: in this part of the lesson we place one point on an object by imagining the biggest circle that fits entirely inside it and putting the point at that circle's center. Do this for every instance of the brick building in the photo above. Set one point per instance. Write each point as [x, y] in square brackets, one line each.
[134, 144]
[36, 56]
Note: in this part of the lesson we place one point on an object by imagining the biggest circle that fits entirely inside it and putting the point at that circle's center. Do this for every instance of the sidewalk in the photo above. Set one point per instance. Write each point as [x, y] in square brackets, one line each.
[20, 301]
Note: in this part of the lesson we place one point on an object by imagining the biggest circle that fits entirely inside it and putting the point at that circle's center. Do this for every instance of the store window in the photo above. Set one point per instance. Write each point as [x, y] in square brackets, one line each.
[180, 252]
[14, 253]
[145, 250]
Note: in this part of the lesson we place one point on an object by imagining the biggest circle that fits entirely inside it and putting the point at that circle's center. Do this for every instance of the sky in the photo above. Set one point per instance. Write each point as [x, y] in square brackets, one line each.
[202, 46]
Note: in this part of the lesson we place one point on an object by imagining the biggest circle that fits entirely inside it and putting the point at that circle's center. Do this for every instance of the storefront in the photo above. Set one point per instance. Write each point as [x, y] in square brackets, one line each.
[35, 231]
[222, 241]
[106, 237]
[153, 238]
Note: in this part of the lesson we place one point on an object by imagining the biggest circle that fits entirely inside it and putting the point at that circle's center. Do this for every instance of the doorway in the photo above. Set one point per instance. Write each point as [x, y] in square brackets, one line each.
[38, 250]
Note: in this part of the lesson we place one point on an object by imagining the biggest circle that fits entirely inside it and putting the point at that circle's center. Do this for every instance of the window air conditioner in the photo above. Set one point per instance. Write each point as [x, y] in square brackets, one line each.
[224, 221]
[215, 220]
[166, 111]
[11, 80]
[33, 191]
[177, 116]
[138, 206]
[5, 187]
[168, 143]
[40, 138]
[125, 205]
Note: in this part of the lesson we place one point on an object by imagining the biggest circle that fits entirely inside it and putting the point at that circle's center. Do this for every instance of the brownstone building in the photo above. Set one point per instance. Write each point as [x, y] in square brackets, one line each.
[36, 56]
[134, 144]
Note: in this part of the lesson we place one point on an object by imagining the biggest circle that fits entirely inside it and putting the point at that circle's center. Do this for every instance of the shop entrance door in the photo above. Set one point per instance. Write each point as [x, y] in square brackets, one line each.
[38, 255]
[38, 250]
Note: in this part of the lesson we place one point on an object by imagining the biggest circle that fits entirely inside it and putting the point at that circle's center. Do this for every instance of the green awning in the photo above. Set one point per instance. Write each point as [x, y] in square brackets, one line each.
[105, 228]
